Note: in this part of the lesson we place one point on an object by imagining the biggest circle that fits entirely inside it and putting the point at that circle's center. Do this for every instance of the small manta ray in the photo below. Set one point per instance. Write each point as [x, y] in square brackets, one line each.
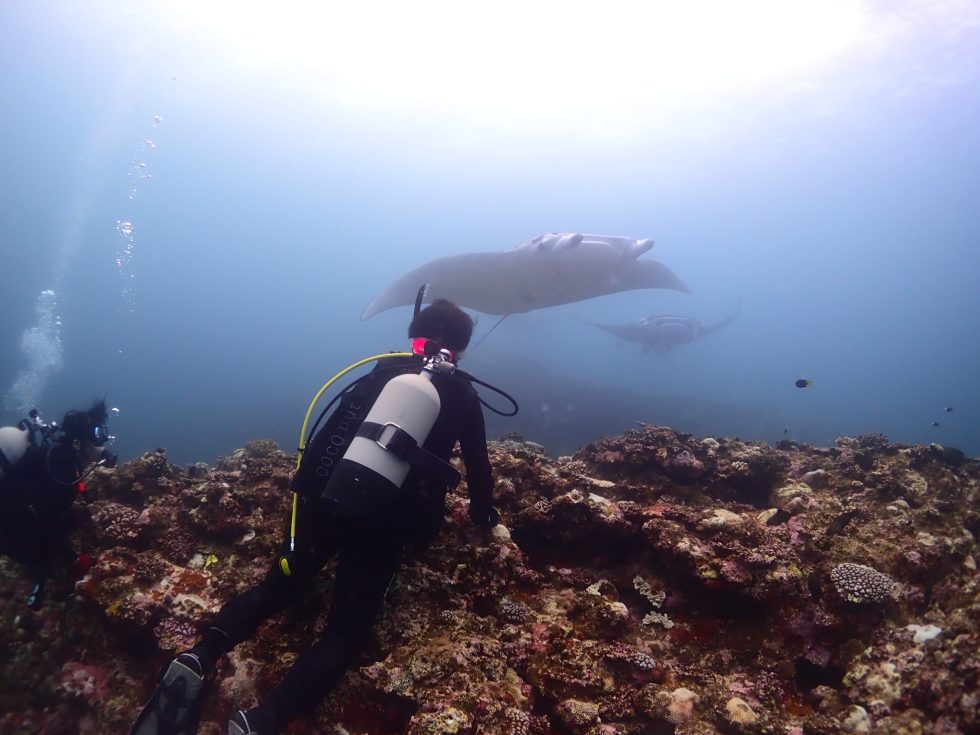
[663, 333]
[547, 270]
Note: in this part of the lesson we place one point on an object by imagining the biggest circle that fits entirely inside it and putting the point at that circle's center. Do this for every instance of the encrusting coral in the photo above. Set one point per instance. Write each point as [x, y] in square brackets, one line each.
[651, 583]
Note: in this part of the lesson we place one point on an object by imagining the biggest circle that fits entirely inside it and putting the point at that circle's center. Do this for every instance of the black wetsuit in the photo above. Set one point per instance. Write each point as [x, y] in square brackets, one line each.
[35, 507]
[367, 557]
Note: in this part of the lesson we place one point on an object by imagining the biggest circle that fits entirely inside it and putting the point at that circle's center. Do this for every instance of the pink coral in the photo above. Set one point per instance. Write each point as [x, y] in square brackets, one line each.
[174, 635]
[84, 680]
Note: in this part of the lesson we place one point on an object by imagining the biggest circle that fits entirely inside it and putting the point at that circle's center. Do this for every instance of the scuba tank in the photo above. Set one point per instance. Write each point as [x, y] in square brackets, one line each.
[366, 480]
[14, 442]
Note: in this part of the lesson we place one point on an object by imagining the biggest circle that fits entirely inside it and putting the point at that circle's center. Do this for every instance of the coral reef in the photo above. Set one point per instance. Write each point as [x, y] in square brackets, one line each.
[651, 583]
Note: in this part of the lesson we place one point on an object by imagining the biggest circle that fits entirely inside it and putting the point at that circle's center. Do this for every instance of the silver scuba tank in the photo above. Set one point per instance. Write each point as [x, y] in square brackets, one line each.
[409, 402]
[367, 479]
[13, 443]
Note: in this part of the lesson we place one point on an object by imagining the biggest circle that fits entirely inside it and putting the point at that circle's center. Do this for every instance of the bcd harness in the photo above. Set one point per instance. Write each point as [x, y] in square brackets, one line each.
[395, 439]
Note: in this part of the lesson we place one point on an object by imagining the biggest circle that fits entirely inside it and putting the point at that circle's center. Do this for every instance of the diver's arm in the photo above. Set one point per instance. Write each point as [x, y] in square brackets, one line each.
[479, 476]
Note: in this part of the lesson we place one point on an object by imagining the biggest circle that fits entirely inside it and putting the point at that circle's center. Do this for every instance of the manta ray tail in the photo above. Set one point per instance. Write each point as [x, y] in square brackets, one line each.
[709, 328]
[491, 330]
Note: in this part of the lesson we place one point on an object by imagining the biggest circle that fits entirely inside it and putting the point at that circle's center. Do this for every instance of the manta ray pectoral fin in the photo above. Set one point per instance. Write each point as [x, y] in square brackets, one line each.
[556, 242]
[641, 247]
[548, 270]
[568, 241]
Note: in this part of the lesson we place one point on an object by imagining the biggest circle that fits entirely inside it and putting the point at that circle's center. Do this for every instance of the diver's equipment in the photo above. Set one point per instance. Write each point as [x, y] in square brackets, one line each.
[100, 435]
[37, 425]
[239, 724]
[284, 562]
[391, 436]
[419, 297]
[420, 348]
[108, 459]
[34, 599]
[495, 389]
[16, 440]
[78, 427]
[388, 444]
[428, 348]
[175, 705]
[334, 379]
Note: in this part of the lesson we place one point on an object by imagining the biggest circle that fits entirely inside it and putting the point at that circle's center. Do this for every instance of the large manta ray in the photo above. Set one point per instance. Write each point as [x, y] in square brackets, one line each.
[547, 270]
[663, 333]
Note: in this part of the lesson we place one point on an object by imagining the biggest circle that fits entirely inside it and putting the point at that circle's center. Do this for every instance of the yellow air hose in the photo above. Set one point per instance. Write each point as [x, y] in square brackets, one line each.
[283, 563]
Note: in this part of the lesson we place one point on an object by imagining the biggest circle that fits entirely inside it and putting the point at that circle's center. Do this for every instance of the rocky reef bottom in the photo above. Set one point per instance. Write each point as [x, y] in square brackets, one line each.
[652, 583]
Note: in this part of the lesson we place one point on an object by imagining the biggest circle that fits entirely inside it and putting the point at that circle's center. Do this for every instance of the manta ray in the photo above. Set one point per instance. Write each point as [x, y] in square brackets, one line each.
[548, 270]
[662, 333]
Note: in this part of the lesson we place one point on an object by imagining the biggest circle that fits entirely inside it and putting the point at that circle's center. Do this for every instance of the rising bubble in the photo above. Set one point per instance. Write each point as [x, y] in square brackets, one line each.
[41, 345]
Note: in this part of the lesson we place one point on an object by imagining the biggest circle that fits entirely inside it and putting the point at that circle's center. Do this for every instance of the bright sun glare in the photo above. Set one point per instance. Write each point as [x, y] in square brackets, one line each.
[591, 66]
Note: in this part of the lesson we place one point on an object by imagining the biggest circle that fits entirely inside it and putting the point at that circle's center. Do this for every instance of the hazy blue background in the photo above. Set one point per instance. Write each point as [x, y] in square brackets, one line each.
[279, 170]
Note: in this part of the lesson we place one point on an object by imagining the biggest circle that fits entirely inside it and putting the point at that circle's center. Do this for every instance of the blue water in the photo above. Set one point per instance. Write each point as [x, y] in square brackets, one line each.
[837, 203]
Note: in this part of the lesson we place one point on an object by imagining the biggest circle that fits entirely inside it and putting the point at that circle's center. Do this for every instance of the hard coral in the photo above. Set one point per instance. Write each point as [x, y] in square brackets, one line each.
[116, 523]
[86, 681]
[503, 632]
[861, 584]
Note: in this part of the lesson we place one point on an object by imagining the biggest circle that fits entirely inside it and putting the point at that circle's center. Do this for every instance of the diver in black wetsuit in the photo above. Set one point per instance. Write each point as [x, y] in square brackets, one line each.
[367, 537]
[39, 483]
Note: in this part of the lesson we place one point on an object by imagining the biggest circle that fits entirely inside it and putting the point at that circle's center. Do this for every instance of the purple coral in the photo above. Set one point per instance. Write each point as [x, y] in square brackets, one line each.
[512, 612]
[859, 583]
[642, 661]
[84, 681]
[174, 634]
[684, 466]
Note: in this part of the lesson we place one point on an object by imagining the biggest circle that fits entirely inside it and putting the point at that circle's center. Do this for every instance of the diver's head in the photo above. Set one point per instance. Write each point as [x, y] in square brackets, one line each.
[87, 432]
[444, 323]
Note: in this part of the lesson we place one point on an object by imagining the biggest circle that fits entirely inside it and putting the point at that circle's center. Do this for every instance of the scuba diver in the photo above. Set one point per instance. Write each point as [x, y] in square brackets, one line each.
[42, 471]
[371, 483]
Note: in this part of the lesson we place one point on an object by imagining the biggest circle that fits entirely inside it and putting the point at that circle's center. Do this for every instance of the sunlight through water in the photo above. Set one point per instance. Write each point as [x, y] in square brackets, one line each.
[593, 68]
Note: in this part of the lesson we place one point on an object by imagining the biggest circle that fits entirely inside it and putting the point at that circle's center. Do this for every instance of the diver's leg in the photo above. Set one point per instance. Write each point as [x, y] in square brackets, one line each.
[174, 707]
[317, 541]
[365, 568]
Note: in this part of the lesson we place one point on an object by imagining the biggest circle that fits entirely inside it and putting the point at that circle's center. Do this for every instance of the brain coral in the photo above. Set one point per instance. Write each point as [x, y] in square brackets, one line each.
[860, 583]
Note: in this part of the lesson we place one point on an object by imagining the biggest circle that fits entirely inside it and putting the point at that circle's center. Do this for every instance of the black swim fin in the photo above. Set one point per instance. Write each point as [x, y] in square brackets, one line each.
[175, 706]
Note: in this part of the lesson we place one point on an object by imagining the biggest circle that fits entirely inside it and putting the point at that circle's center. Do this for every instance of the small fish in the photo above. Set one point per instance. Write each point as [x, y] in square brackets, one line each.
[935, 423]
[948, 409]
[802, 383]
[210, 560]
[785, 431]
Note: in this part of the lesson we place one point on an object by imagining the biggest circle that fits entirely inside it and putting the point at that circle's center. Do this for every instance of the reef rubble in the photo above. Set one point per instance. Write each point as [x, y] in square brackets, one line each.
[652, 583]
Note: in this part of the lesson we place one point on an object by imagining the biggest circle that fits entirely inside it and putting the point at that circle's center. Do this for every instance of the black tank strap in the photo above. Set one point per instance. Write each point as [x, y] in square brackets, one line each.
[404, 445]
